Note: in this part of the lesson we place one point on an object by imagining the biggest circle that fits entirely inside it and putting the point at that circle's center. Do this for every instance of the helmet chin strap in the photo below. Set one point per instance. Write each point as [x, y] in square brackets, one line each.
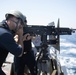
[16, 28]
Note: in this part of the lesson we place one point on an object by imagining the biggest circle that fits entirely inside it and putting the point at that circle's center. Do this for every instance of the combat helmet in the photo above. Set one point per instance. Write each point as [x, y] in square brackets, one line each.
[24, 20]
[15, 13]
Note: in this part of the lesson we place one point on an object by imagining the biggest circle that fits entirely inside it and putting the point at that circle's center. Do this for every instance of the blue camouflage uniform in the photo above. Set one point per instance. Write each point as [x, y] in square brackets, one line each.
[7, 44]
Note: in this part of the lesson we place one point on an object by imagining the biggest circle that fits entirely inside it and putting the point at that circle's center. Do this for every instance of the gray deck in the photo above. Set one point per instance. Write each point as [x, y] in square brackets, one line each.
[7, 66]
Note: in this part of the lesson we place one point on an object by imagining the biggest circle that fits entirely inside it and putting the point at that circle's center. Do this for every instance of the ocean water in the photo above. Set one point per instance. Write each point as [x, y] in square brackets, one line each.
[67, 54]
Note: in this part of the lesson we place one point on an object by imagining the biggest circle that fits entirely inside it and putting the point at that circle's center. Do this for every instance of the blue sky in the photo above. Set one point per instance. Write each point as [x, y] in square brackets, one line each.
[43, 12]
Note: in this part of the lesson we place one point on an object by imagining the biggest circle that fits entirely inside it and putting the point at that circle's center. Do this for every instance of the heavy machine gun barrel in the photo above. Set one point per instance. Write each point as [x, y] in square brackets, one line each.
[48, 30]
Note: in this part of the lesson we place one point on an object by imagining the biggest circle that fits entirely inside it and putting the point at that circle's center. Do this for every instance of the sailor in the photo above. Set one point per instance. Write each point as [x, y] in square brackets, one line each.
[11, 26]
[27, 58]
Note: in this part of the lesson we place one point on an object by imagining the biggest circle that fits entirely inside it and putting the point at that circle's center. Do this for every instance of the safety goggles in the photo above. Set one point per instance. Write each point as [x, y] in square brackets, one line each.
[15, 21]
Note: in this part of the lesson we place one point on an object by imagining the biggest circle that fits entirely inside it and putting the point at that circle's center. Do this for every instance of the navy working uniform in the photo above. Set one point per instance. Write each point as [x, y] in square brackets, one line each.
[7, 44]
[26, 59]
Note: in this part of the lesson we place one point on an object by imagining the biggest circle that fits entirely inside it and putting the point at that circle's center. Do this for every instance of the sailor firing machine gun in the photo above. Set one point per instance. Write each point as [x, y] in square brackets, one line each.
[46, 39]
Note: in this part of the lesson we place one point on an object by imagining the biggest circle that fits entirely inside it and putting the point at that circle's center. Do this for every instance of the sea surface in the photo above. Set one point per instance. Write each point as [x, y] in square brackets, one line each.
[68, 52]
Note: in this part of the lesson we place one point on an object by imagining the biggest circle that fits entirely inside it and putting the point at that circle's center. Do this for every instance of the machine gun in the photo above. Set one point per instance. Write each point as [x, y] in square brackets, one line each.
[48, 30]
[45, 31]
[50, 35]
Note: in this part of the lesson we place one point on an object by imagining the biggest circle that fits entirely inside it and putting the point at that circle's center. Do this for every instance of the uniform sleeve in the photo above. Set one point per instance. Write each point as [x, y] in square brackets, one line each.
[9, 44]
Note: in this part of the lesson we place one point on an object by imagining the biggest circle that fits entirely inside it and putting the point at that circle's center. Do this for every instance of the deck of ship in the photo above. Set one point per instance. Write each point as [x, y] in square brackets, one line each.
[7, 66]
